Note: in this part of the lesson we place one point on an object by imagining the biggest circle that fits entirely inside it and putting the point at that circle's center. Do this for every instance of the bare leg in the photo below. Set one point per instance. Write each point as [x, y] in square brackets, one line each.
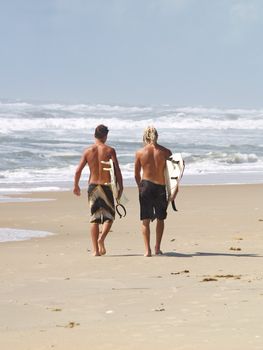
[94, 230]
[159, 235]
[105, 230]
[146, 237]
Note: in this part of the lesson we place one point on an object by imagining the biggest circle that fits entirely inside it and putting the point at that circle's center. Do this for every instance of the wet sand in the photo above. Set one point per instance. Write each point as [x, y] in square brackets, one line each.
[205, 292]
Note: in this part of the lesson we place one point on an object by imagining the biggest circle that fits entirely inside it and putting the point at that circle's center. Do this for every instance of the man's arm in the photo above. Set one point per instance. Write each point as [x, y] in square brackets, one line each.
[117, 172]
[78, 172]
[137, 169]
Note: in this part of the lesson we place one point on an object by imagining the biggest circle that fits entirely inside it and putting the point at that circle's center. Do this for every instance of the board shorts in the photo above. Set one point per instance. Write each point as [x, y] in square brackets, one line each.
[153, 201]
[101, 203]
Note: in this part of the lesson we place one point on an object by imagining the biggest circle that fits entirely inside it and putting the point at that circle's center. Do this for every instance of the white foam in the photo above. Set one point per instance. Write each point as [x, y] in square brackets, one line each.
[22, 199]
[12, 235]
[119, 124]
[30, 189]
[39, 138]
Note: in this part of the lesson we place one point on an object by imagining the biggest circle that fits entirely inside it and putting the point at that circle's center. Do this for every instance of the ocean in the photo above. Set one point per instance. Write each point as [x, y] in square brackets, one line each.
[41, 144]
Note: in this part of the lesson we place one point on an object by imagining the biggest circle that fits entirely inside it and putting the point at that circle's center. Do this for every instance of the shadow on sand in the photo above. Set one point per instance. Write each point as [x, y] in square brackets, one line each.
[237, 255]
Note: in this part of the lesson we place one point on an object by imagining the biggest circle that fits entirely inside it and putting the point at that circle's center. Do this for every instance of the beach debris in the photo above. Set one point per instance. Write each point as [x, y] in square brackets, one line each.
[235, 248]
[180, 272]
[67, 278]
[172, 240]
[159, 309]
[238, 238]
[236, 277]
[109, 312]
[71, 324]
[209, 279]
[215, 278]
[56, 309]
[260, 219]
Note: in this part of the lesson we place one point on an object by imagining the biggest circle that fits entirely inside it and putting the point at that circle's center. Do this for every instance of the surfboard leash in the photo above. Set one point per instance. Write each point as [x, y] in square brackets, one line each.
[122, 207]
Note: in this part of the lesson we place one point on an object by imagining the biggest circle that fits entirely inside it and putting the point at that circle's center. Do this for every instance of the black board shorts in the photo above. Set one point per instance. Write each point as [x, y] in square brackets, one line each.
[101, 203]
[153, 200]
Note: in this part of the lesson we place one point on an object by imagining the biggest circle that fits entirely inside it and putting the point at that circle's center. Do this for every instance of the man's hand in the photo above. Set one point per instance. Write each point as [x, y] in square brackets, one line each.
[76, 191]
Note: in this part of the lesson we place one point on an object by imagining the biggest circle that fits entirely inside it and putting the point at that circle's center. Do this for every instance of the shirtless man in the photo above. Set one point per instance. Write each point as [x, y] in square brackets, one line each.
[100, 196]
[152, 192]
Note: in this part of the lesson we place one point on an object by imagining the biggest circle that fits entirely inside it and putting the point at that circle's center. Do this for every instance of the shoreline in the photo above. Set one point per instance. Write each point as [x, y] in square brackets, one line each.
[212, 179]
[50, 196]
[203, 293]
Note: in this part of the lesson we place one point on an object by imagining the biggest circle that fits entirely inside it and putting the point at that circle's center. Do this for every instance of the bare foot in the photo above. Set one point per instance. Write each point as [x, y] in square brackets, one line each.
[158, 252]
[96, 254]
[102, 249]
[148, 254]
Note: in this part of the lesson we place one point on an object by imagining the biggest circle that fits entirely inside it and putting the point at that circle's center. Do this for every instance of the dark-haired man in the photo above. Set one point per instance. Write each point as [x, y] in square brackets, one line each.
[99, 192]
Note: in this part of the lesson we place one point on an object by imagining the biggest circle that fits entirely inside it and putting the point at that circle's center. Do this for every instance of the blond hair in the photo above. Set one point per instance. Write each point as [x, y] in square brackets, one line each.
[150, 135]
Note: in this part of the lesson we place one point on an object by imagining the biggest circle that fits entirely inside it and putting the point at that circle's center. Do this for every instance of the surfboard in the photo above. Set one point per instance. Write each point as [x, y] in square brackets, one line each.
[115, 187]
[173, 173]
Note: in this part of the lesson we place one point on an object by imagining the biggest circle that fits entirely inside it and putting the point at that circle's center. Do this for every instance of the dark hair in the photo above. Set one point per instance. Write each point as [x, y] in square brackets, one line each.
[101, 131]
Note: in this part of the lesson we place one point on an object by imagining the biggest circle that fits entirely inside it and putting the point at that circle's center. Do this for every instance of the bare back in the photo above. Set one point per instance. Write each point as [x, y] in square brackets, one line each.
[152, 160]
[94, 155]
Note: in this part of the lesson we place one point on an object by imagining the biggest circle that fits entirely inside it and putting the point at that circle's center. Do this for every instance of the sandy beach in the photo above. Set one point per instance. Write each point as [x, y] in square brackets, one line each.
[205, 292]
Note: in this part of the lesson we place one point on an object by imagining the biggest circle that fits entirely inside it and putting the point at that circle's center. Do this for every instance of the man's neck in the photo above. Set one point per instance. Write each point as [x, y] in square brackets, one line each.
[99, 142]
[153, 144]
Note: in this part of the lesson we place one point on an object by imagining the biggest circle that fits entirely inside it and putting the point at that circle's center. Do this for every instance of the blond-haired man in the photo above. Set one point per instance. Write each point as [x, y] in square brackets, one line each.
[151, 159]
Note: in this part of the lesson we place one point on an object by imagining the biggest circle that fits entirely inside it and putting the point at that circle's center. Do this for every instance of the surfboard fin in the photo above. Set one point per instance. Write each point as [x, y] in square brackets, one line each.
[173, 205]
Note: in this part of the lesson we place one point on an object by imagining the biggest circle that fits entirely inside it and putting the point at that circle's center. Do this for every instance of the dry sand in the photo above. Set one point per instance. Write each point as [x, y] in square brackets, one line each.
[205, 292]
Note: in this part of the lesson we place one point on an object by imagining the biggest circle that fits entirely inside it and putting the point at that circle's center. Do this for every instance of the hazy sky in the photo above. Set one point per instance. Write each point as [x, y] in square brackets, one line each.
[180, 52]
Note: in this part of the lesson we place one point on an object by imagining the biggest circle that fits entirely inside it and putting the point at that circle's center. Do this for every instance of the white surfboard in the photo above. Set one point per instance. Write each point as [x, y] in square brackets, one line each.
[115, 187]
[173, 173]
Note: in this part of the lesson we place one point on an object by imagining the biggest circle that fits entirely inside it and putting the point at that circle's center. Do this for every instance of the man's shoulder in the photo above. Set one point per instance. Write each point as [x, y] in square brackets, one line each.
[89, 148]
[109, 148]
[140, 151]
[164, 149]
